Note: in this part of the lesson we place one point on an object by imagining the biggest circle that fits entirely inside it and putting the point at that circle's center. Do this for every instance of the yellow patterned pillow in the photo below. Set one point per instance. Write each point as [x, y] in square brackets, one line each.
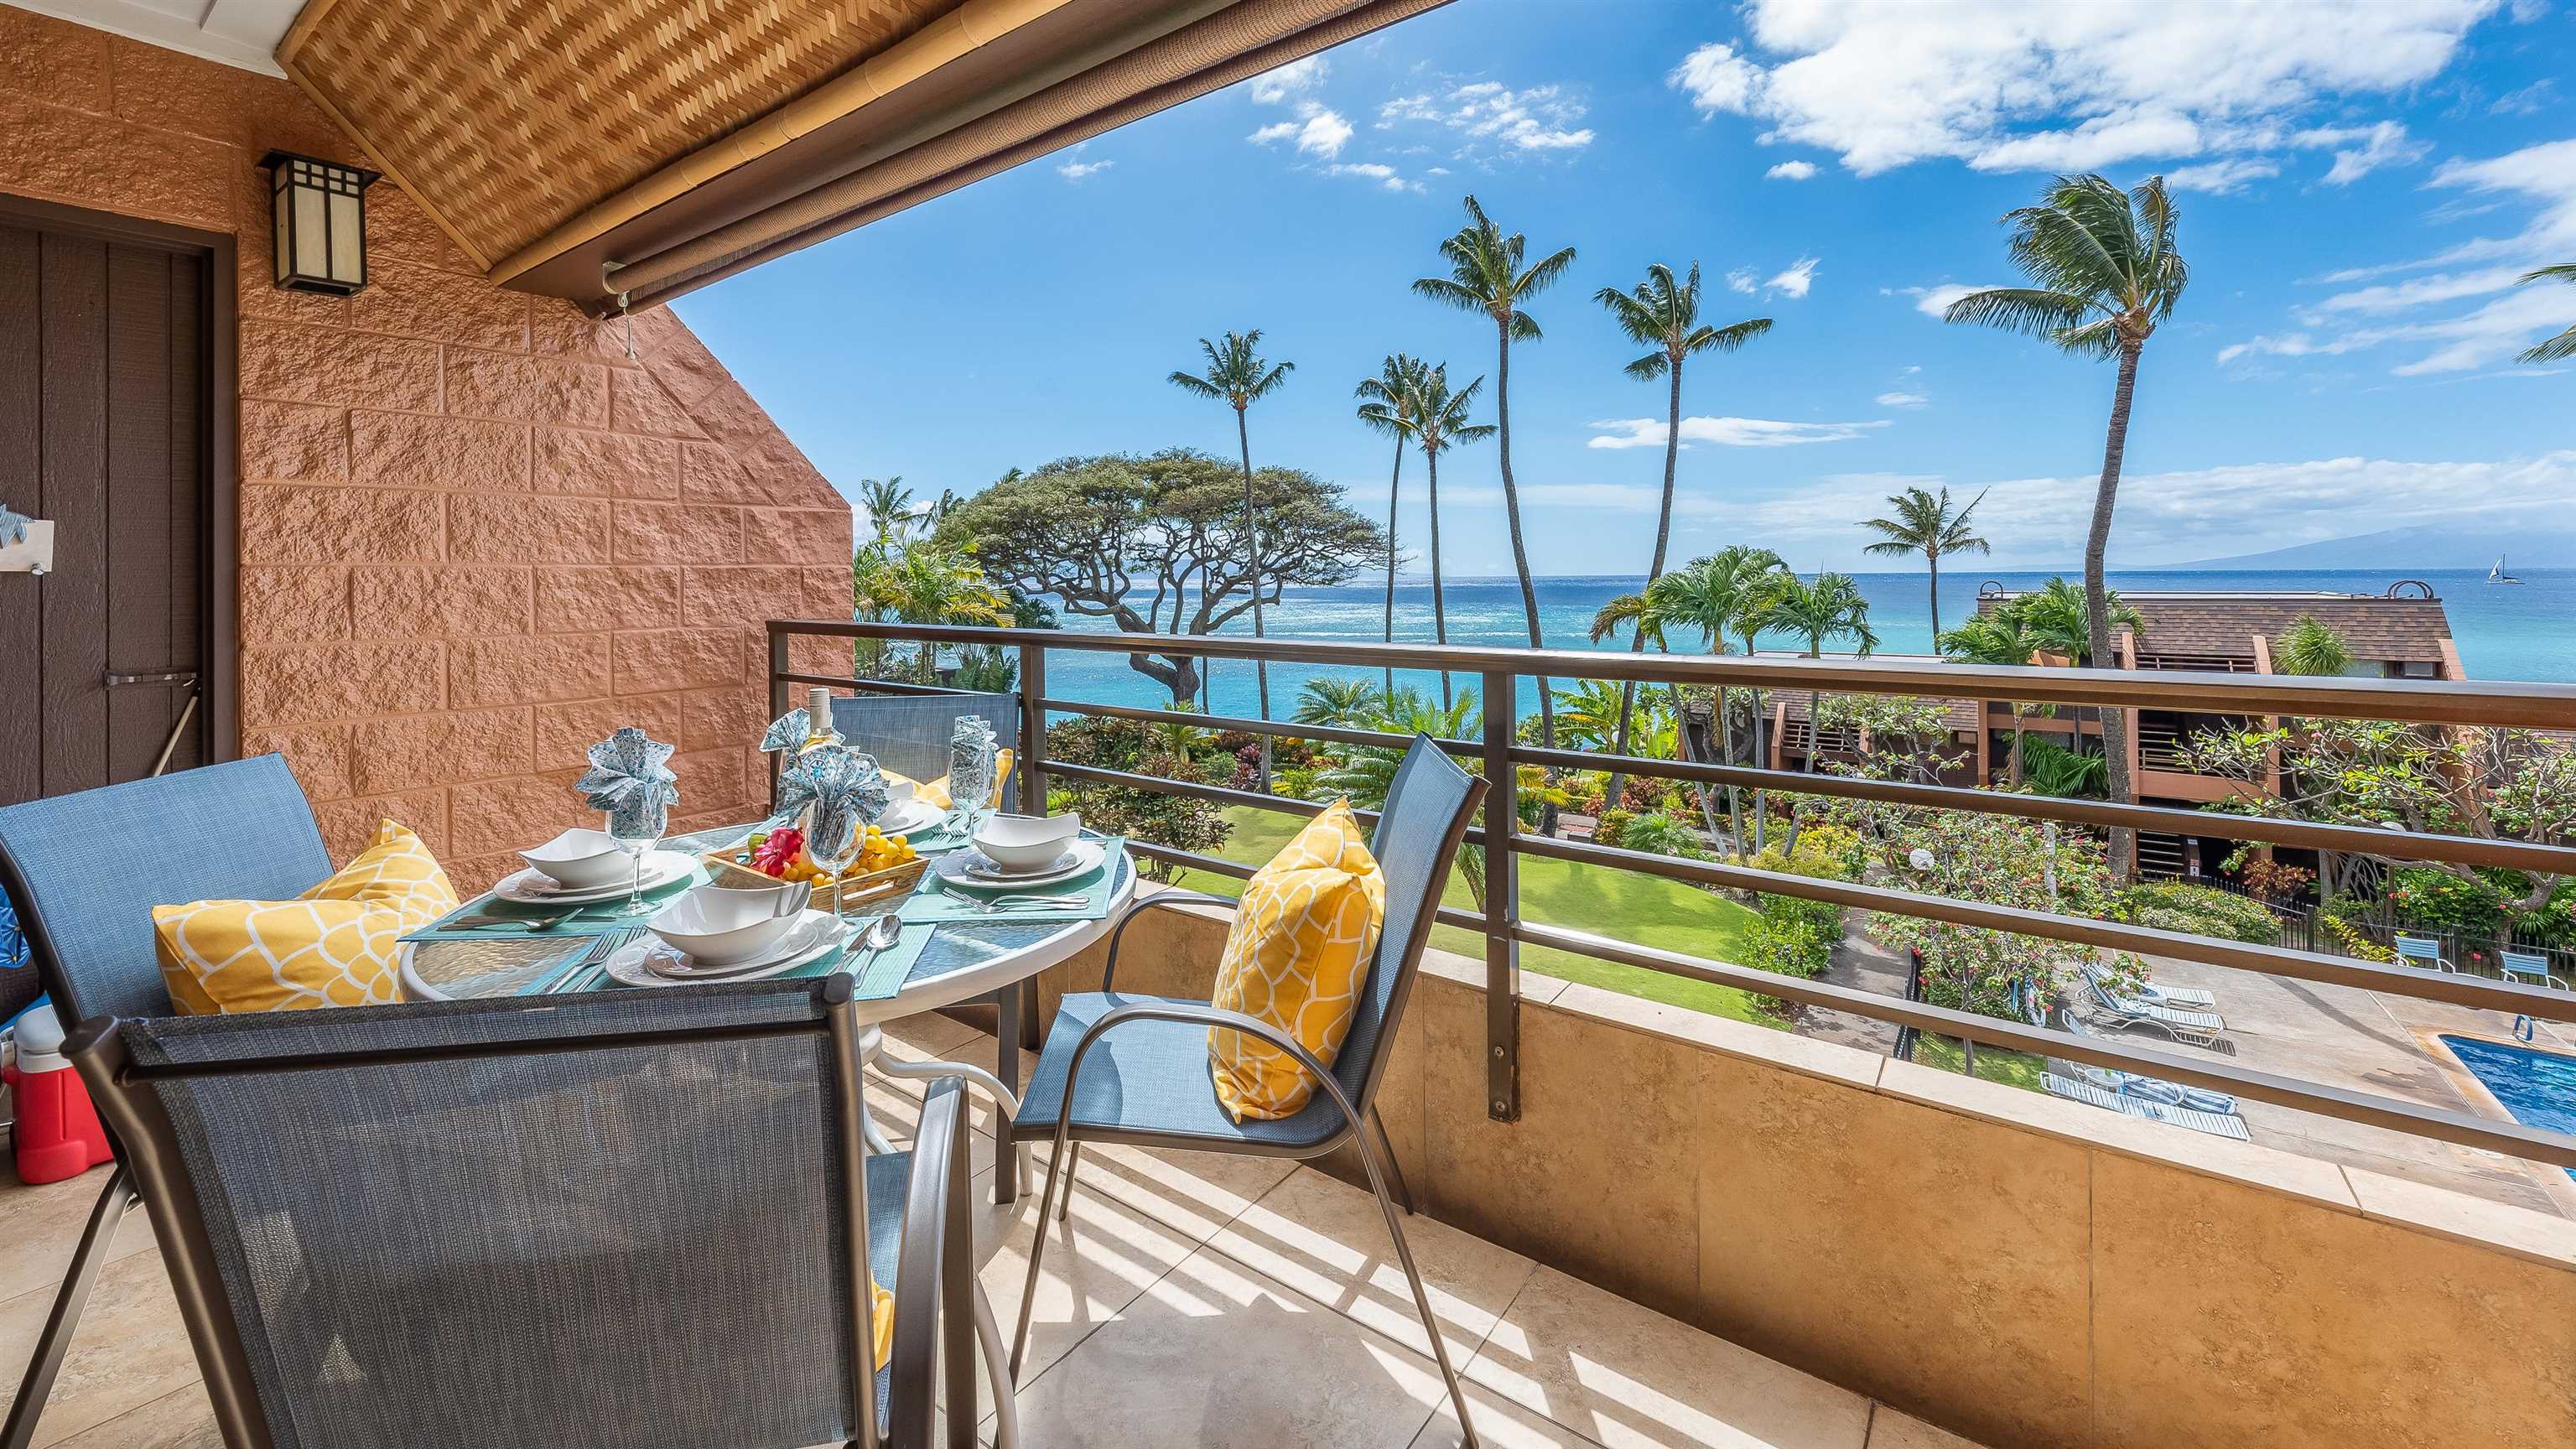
[934, 793]
[335, 945]
[1296, 958]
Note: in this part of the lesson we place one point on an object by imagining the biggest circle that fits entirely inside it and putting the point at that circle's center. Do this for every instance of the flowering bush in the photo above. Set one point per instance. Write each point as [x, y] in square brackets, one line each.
[2001, 861]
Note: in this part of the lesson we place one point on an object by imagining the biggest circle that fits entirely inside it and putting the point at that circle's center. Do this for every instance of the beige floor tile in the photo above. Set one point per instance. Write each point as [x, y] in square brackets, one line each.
[1889, 1429]
[1500, 1424]
[130, 1348]
[1630, 1378]
[45, 1226]
[929, 1034]
[1328, 1240]
[1098, 1261]
[178, 1420]
[1194, 1193]
[1215, 1356]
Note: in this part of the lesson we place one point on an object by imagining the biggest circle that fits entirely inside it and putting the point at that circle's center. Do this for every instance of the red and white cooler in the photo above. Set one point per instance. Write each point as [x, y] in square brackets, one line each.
[58, 1133]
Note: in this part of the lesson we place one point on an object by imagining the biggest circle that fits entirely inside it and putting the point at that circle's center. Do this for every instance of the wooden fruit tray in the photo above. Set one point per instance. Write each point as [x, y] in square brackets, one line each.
[856, 888]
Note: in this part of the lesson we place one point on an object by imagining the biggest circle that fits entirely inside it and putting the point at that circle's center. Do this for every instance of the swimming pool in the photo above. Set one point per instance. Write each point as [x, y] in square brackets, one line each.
[2537, 1087]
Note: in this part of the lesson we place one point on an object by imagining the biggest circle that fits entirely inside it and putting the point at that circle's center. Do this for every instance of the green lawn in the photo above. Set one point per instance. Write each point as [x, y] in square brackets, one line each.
[1643, 909]
[1994, 1064]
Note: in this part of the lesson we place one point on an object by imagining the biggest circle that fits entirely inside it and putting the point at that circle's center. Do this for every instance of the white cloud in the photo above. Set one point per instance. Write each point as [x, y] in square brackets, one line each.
[1533, 121]
[2530, 100]
[1741, 280]
[1726, 432]
[2004, 84]
[1794, 282]
[1791, 171]
[1323, 132]
[2360, 150]
[2220, 178]
[1903, 400]
[1384, 175]
[1933, 301]
[1077, 170]
[1293, 79]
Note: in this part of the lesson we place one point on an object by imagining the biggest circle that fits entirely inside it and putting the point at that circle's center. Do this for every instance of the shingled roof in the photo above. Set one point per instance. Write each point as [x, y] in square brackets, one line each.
[2224, 623]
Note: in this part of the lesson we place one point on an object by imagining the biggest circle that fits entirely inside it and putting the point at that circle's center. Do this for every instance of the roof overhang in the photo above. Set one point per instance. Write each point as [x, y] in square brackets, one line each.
[624, 152]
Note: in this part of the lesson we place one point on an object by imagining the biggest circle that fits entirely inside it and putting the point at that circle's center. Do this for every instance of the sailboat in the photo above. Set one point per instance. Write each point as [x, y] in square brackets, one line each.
[2497, 575]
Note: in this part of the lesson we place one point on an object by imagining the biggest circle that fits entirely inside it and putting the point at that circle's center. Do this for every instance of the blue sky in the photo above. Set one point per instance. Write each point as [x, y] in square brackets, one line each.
[2363, 180]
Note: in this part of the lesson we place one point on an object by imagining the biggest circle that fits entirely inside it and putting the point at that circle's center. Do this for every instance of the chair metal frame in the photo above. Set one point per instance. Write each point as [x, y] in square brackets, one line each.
[1377, 1157]
[935, 1263]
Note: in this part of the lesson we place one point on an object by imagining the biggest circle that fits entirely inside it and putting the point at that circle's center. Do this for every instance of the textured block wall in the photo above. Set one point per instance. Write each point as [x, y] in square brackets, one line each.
[475, 534]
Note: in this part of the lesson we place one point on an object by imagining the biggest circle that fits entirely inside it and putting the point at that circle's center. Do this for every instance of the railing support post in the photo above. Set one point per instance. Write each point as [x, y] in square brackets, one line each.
[1502, 903]
[778, 697]
[1033, 729]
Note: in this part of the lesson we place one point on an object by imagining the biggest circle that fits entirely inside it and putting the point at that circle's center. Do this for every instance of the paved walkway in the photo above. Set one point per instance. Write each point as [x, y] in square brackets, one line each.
[1194, 1301]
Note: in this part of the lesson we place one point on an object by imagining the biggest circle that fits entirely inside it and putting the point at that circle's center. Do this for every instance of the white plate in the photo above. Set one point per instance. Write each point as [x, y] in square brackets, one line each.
[970, 869]
[530, 888]
[815, 934]
[907, 816]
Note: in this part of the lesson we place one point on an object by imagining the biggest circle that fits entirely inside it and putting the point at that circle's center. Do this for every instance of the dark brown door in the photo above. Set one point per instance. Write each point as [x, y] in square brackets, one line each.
[104, 429]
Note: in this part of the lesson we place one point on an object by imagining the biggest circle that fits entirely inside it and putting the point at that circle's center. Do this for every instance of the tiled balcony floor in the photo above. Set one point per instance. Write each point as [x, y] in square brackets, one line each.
[1190, 1301]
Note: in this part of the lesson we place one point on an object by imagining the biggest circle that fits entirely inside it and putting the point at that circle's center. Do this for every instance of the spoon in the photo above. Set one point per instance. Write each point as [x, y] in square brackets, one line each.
[881, 933]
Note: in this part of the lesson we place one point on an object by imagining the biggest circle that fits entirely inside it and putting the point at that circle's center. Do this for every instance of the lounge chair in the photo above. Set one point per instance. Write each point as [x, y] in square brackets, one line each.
[2184, 998]
[2145, 1089]
[2528, 966]
[2216, 1124]
[2423, 951]
[1147, 1083]
[241, 830]
[2199, 1028]
[446, 1224]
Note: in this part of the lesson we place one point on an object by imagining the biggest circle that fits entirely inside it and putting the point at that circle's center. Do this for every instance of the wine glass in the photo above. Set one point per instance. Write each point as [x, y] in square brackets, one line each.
[833, 835]
[970, 777]
[637, 828]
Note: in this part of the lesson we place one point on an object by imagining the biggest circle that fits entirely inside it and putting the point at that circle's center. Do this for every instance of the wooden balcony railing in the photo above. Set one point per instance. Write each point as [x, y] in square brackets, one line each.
[1500, 671]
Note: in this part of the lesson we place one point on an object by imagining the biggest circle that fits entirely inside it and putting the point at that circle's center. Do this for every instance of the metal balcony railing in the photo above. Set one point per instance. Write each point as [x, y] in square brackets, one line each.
[1499, 672]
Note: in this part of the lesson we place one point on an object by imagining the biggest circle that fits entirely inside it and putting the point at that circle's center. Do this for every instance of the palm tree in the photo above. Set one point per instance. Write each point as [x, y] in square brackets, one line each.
[1440, 423]
[2562, 346]
[889, 506]
[1663, 315]
[1366, 773]
[1348, 703]
[2105, 274]
[1831, 607]
[2313, 647]
[1388, 403]
[2000, 636]
[1486, 275]
[2059, 618]
[926, 582]
[1593, 712]
[1239, 376]
[1721, 594]
[1924, 524]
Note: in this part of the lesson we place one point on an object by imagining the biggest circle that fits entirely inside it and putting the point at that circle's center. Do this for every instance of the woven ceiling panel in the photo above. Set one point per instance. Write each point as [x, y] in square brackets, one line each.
[509, 116]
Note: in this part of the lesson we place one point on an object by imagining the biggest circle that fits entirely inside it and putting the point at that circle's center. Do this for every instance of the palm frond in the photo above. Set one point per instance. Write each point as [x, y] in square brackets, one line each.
[1726, 339]
[2020, 309]
[1196, 386]
[1443, 289]
[1543, 274]
[1649, 367]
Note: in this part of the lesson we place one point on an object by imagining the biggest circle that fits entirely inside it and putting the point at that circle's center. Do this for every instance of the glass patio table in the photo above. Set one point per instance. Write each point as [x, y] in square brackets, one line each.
[965, 961]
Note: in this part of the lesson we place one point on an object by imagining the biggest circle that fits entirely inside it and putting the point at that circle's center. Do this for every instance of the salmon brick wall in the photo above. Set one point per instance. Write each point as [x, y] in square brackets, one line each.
[475, 533]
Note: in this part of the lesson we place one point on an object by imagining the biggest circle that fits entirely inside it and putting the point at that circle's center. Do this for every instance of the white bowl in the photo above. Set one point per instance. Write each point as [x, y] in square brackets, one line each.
[1026, 842]
[580, 860]
[716, 926]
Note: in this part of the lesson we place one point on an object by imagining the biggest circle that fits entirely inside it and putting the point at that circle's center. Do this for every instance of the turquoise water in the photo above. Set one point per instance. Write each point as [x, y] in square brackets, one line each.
[2537, 1087]
[2526, 632]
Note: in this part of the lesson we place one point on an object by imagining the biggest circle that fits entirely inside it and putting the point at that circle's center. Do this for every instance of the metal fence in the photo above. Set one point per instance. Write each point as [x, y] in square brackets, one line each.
[1498, 673]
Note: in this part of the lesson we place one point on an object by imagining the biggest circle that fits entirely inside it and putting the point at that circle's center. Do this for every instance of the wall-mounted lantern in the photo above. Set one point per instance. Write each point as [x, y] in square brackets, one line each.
[318, 223]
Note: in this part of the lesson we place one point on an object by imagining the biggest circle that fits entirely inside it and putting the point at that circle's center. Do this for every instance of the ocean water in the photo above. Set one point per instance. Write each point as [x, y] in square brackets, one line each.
[2525, 632]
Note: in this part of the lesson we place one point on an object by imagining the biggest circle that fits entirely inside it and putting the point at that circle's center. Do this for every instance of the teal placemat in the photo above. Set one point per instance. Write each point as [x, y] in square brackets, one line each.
[937, 901]
[597, 918]
[879, 977]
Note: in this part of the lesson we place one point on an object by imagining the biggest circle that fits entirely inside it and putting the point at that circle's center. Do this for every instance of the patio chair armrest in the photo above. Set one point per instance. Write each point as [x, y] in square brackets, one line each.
[1141, 904]
[934, 1269]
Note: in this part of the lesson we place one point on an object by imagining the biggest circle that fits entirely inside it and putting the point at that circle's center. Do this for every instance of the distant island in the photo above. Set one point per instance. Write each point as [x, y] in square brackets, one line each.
[2414, 548]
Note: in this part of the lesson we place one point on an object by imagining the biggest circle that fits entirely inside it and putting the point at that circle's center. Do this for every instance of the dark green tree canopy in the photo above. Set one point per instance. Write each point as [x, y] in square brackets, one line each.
[1154, 543]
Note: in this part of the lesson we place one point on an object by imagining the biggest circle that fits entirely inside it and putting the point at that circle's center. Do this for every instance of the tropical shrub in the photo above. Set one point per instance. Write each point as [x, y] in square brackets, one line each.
[2172, 905]
[1178, 821]
[1663, 833]
[2354, 940]
[1611, 825]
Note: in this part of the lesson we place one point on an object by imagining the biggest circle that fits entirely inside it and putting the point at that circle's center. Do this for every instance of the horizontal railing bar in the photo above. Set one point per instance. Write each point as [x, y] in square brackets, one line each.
[1218, 865]
[2268, 830]
[2511, 1138]
[1338, 734]
[2535, 1001]
[2464, 702]
[881, 686]
[1218, 794]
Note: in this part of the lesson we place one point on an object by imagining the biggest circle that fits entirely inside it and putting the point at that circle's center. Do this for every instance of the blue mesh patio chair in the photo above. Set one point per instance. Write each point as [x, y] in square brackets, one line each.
[1124, 1068]
[622, 1221]
[2530, 966]
[238, 830]
[2424, 953]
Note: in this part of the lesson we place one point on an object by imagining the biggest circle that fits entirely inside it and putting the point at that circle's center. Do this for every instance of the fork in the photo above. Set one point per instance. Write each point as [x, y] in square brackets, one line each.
[584, 973]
